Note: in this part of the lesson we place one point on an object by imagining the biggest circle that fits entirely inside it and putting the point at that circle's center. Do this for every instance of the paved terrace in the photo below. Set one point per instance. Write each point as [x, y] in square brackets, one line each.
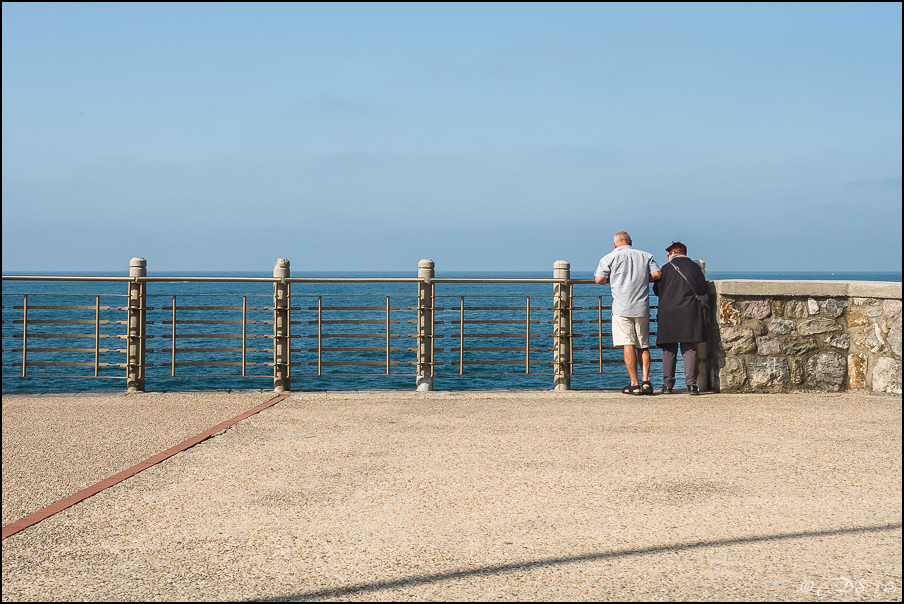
[457, 496]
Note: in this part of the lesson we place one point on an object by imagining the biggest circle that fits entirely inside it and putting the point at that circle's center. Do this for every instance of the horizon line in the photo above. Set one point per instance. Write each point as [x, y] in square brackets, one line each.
[184, 272]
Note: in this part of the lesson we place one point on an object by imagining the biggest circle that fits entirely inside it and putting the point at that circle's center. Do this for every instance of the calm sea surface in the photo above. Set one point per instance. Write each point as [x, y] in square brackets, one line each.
[496, 319]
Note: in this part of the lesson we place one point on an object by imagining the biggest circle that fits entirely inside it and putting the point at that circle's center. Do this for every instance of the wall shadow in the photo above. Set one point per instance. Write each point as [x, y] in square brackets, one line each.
[338, 592]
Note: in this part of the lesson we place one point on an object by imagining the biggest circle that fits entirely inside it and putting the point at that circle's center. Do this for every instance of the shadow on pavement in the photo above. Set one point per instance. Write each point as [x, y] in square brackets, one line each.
[338, 592]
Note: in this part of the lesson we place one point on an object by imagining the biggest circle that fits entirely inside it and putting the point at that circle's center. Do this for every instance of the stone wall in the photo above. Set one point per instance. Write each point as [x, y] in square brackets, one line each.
[791, 336]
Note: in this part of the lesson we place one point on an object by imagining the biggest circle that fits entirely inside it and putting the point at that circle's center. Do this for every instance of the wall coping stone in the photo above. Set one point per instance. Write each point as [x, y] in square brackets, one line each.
[809, 289]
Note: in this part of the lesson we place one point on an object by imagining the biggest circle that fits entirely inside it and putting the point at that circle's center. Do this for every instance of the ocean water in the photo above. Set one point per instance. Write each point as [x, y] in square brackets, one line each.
[506, 346]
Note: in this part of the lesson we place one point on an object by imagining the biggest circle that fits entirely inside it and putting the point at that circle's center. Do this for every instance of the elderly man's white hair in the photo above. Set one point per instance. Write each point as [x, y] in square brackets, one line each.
[622, 237]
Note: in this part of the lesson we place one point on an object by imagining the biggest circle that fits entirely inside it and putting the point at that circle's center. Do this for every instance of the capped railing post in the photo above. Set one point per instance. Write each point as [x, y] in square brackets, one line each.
[282, 378]
[561, 332]
[136, 325]
[425, 306]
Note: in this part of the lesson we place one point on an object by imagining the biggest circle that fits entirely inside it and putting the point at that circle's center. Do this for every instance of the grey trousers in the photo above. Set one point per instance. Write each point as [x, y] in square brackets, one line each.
[670, 360]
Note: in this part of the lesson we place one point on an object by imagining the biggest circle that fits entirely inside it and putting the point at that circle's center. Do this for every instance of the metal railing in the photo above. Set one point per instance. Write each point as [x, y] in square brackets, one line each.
[236, 330]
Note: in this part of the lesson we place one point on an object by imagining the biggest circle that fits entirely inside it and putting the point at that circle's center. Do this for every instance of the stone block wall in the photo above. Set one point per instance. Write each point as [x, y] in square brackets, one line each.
[792, 336]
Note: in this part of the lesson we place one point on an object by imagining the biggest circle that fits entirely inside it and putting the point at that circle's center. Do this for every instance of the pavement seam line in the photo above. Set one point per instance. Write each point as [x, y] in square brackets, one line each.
[66, 502]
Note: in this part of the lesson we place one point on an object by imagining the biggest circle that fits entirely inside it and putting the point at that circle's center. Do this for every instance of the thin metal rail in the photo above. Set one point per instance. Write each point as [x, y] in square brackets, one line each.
[24, 334]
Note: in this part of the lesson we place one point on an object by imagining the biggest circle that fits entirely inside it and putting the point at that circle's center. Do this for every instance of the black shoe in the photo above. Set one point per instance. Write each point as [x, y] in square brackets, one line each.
[666, 390]
[692, 390]
[646, 388]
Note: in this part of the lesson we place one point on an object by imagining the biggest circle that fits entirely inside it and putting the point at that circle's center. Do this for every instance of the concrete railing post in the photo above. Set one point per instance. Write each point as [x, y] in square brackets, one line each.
[702, 348]
[282, 341]
[425, 306]
[136, 325]
[562, 326]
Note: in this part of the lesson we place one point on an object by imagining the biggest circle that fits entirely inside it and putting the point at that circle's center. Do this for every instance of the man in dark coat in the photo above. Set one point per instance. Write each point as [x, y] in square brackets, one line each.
[680, 318]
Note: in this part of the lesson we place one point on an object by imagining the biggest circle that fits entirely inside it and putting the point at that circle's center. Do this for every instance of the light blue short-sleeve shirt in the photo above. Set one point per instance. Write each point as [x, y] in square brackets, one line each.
[628, 271]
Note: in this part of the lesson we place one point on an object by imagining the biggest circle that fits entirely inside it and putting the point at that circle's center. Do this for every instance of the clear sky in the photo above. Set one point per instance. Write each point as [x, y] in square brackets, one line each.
[363, 137]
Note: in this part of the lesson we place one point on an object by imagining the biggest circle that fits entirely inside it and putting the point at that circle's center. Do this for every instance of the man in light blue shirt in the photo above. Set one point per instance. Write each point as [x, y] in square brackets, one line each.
[628, 273]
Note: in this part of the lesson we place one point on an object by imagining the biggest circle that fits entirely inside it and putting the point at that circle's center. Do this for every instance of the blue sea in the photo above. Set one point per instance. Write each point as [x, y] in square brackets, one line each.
[506, 346]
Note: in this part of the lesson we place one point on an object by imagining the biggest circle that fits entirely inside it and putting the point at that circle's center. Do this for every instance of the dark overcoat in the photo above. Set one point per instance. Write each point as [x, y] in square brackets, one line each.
[680, 316]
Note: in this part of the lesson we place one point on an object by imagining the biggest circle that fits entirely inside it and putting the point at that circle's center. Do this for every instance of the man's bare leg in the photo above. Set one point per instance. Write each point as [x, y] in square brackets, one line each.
[645, 360]
[631, 363]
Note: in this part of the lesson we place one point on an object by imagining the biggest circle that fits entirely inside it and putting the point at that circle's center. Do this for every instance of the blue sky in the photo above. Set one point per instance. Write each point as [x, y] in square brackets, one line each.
[219, 137]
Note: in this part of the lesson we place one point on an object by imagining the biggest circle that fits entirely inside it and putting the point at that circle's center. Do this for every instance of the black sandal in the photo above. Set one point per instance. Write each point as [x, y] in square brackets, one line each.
[646, 388]
[629, 389]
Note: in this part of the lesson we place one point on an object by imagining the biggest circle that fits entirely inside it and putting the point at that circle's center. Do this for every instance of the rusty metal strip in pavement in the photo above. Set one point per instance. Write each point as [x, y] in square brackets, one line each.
[62, 504]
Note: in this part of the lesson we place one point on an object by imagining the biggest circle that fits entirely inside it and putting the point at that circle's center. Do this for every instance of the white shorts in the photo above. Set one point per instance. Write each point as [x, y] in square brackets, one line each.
[628, 331]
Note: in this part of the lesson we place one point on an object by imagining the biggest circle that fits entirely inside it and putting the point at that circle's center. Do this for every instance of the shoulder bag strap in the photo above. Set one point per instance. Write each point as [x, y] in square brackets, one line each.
[700, 299]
